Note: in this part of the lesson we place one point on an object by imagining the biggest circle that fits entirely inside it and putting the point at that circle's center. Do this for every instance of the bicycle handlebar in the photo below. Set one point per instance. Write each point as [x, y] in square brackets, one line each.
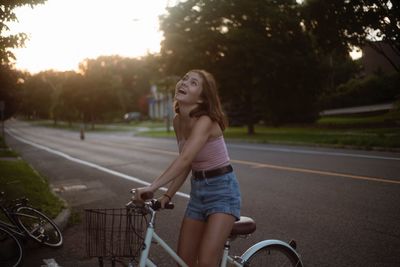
[154, 204]
[149, 202]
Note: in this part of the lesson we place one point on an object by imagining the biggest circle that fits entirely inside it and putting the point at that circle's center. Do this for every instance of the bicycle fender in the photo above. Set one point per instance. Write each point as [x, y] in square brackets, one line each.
[249, 252]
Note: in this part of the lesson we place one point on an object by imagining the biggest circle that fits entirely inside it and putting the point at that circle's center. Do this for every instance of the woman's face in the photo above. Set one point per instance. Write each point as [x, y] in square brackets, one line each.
[188, 89]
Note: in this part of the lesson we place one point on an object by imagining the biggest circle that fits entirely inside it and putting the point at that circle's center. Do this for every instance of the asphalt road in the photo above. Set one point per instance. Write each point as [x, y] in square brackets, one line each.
[341, 206]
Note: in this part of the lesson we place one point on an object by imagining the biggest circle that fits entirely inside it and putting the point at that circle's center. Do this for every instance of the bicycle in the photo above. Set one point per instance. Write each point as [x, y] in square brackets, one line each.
[24, 222]
[130, 232]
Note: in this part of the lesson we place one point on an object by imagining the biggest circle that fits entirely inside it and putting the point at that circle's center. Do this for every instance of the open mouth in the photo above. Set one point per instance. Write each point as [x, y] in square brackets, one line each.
[181, 91]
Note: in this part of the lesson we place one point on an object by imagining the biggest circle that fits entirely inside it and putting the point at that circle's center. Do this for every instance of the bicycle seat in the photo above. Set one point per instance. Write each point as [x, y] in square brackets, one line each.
[244, 226]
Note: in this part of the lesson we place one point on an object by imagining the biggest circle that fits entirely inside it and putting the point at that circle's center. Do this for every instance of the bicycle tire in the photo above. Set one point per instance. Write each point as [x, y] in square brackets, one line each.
[11, 251]
[38, 226]
[273, 255]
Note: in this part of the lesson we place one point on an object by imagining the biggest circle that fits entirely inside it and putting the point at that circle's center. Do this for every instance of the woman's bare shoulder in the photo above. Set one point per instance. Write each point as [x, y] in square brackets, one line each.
[207, 124]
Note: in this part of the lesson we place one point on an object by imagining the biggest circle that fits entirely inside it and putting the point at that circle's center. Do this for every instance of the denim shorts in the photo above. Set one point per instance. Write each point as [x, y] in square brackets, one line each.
[219, 194]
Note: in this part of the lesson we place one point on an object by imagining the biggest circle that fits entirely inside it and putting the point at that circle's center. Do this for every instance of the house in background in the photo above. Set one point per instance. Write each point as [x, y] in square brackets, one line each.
[160, 104]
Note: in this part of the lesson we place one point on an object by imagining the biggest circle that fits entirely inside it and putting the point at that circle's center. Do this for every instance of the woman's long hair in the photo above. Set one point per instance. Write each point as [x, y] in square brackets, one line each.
[210, 105]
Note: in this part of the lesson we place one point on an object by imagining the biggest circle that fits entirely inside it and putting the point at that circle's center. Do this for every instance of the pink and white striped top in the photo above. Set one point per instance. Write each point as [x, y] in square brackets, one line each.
[214, 154]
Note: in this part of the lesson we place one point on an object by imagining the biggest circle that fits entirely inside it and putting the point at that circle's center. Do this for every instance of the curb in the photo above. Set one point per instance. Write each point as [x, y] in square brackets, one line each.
[62, 218]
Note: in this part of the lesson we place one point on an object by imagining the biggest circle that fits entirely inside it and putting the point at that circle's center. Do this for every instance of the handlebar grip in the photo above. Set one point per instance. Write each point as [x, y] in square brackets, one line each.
[157, 205]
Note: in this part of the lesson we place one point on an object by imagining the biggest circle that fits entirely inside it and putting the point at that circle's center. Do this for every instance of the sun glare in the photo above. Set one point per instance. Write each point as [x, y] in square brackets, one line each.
[356, 53]
[64, 32]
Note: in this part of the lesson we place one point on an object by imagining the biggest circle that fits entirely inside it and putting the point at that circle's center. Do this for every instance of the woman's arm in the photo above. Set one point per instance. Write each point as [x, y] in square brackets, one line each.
[177, 183]
[198, 137]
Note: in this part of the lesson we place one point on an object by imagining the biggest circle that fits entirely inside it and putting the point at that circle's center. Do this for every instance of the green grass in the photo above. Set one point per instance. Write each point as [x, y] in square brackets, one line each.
[18, 179]
[358, 131]
[386, 138]
[363, 138]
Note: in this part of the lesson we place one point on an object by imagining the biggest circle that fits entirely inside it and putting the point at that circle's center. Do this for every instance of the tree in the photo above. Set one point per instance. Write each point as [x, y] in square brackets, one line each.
[7, 14]
[258, 50]
[116, 85]
[10, 89]
[344, 24]
[36, 96]
[10, 80]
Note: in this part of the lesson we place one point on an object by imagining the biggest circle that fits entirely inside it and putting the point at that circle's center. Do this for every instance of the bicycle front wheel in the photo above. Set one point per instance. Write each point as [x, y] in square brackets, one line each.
[11, 252]
[272, 256]
[39, 227]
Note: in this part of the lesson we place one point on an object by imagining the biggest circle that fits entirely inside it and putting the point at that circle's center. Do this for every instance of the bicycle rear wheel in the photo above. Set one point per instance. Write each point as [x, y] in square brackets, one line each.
[39, 227]
[272, 256]
[11, 252]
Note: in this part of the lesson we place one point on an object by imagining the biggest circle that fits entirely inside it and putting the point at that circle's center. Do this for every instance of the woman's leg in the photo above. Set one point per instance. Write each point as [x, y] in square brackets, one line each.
[189, 240]
[217, 230]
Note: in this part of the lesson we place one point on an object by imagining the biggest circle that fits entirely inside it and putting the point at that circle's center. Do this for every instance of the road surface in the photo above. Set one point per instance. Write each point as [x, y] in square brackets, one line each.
[341, 206]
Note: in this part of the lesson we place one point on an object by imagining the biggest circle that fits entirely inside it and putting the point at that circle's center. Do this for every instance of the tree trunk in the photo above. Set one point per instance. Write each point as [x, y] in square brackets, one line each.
[250, 113]
[250, 129]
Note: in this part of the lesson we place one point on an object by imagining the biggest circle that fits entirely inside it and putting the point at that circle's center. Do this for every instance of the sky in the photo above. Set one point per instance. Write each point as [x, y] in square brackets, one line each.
[62, 33]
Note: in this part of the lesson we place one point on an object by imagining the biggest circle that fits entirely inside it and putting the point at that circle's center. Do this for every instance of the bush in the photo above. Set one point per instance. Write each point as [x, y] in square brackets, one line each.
[373, 89]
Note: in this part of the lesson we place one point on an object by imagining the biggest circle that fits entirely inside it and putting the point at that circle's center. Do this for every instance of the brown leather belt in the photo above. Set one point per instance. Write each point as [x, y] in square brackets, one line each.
[212, 173]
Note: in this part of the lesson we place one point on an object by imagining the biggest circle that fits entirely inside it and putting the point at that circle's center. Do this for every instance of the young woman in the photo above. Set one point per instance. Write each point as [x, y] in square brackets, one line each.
[214, 203]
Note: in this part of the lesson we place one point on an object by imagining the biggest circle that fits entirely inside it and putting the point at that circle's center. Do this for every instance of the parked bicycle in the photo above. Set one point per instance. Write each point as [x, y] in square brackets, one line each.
[20, 222]
[118, 234]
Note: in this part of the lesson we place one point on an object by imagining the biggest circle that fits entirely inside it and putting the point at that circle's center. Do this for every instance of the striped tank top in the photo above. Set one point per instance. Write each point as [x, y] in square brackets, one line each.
[214, 154]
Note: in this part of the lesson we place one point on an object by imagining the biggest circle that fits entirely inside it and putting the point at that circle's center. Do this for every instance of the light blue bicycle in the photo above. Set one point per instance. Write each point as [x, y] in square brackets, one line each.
[126, 236]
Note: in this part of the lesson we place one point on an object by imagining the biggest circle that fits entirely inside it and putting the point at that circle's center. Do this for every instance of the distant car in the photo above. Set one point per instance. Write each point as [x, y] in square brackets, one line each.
[132, 116]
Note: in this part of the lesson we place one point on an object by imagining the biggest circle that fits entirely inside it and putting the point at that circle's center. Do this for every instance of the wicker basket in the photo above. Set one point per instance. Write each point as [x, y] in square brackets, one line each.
[114, 232]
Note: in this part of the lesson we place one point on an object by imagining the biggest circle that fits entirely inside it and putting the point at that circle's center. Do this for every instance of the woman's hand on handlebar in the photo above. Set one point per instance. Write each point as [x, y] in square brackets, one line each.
[142, 193]
[164, 200]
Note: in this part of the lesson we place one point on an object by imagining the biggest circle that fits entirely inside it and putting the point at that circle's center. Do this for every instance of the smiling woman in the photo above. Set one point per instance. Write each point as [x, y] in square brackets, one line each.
[64, 32]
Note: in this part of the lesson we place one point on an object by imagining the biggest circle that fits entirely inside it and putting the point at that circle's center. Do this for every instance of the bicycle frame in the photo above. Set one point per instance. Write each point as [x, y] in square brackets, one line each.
[238, 261]
[152, 235]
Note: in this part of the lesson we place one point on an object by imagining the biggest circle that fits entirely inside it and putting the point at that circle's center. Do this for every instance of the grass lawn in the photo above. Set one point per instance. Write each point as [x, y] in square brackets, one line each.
[386, 138]
[357, 131]
[18, 179]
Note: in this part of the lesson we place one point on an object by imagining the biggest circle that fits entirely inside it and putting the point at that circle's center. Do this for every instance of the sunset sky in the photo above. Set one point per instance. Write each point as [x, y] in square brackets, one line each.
[64, 32]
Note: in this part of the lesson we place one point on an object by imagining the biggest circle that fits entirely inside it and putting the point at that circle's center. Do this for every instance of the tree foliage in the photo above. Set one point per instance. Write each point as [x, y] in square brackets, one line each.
[8, 41]
[258, 50]
[9, 86]
[9, 89]
[273, 59]
[106, 88]
[339, 25]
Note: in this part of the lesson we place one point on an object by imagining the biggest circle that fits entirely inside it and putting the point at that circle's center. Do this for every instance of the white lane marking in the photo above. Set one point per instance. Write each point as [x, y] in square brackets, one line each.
[302, 151]
[89, 164]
